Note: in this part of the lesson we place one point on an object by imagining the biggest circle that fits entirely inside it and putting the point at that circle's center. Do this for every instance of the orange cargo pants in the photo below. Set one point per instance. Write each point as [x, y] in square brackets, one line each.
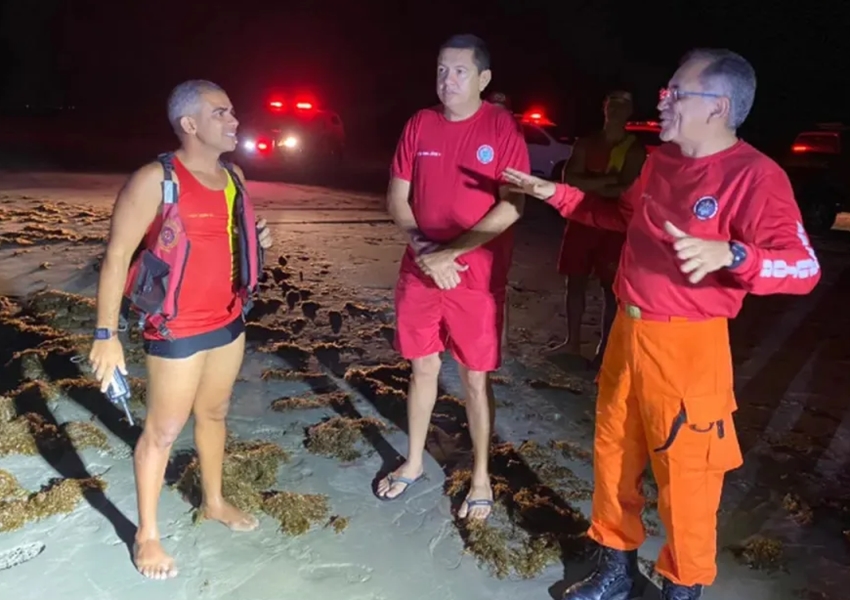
[665, 397]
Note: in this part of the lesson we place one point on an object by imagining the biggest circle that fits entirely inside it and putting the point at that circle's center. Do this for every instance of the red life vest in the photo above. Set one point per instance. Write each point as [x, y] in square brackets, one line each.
[153, 280]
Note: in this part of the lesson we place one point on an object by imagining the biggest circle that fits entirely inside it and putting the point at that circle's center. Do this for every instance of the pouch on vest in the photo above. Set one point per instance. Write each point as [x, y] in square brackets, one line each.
[150, 288]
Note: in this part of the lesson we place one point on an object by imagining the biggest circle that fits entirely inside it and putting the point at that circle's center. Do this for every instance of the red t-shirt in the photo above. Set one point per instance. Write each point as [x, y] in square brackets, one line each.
[455, 168]
[739, 195]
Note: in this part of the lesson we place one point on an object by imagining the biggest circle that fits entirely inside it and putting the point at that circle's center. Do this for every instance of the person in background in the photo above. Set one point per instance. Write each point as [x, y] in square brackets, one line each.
[499, 99]
[605, 164]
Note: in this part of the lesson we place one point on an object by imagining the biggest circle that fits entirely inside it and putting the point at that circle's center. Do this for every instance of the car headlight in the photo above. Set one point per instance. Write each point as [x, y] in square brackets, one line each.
[250, 145]
[289, 142]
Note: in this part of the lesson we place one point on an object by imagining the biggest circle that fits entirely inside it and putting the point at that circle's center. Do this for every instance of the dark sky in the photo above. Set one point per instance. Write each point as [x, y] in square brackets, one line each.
[373, 60]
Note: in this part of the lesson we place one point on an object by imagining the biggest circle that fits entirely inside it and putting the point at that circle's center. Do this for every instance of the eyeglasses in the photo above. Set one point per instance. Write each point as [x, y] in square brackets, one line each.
[675, 94]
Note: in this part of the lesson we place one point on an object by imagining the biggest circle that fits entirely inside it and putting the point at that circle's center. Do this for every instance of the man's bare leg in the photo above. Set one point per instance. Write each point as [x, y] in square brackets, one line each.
[480, 412]
[421, 398]
[575, 300]
[210, 409]
[172, 385]
[609, 312]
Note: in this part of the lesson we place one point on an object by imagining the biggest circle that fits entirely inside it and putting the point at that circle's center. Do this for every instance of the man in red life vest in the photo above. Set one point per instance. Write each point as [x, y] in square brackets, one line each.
[445, 194]
[606, 164]
[709, 220]
[193, 358]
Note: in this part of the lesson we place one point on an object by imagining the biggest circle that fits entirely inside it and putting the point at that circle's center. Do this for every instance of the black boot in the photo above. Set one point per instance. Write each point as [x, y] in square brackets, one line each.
[616, 578]
[674, 591]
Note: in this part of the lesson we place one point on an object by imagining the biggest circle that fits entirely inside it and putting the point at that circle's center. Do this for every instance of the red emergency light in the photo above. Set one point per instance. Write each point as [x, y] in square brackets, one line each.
[276, 104]
[537, 117]
[304, 105]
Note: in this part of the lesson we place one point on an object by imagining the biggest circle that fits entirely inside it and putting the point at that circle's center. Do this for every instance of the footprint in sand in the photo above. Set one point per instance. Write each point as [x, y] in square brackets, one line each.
[335, 318]
[293, 298]
[310, 309]
[20, 555]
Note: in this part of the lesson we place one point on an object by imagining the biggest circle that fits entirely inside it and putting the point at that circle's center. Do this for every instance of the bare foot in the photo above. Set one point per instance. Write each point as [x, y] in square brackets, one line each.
[152, 561]
[564, 347]
[230, 516]
[398, 481]
[478, 503]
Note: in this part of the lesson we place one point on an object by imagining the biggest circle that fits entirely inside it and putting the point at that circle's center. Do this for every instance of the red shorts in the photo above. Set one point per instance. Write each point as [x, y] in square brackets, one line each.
[587, 251]
[466, 322]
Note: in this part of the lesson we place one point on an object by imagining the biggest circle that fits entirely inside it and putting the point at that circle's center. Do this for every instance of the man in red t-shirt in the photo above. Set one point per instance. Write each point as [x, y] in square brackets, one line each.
[709, 220]
[445, 194]
[605, 163]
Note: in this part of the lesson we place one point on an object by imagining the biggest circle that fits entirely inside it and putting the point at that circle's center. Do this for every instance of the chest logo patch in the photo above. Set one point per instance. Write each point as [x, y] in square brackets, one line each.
[485, 154]
[168, 236]
[706, 208]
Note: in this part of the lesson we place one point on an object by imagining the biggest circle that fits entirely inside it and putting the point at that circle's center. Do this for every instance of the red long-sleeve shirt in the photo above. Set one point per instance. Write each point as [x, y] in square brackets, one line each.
[738, 194]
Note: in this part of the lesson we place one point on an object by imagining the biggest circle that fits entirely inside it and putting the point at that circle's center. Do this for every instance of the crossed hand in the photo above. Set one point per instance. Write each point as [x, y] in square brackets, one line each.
[441, 266]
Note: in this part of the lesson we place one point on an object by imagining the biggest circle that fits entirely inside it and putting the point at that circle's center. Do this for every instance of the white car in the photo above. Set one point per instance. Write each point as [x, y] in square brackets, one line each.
[548, 150]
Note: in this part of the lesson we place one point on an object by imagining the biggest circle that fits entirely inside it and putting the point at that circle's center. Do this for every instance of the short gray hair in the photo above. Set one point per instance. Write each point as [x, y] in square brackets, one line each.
[730, 74]
[185, 100]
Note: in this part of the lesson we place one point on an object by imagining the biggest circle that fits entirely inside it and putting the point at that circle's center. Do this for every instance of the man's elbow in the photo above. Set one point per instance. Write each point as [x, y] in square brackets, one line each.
[117, 257]
[517, 205]
[394, 202]
[813, 281]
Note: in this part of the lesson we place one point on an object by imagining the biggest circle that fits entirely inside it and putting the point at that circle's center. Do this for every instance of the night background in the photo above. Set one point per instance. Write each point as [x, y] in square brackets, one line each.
[373, 62]
[83, 92]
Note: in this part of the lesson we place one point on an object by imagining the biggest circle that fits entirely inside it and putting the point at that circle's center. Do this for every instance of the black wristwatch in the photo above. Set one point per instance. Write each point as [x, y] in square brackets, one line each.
[103, 333]
[739, 255]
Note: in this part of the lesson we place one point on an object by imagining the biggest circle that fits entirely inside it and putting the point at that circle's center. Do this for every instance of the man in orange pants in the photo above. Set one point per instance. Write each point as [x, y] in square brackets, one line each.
[709, 219]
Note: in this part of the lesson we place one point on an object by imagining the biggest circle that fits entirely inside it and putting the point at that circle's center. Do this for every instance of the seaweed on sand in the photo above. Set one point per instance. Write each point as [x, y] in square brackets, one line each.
[18, 507]
[250, 468]
[762, 553]
[62, 310]
[7, 409]
[296, 513]
[339, 524]
[308, 401]
[509, 550]
[31, 434]
[293, 375]
[521, 537]
[338, 437]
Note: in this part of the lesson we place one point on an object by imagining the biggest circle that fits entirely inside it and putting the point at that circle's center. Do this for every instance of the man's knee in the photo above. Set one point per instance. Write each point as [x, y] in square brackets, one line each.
[163, 431]
[577, 283]
[475, 383]
[426, 367]
[216, 412]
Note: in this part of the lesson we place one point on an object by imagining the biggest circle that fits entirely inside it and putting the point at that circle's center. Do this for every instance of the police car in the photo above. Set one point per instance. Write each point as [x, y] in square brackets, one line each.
[548, 148]
[291, 133]
[818, 165]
